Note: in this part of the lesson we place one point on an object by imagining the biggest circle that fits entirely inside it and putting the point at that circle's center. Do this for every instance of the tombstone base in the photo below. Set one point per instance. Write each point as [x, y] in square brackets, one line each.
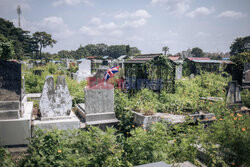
[96, 119]
[17, 131]
[62, 123]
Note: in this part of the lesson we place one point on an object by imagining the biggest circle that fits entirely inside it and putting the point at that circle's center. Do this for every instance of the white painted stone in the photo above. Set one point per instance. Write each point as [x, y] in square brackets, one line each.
[17, 131]
[84, 70]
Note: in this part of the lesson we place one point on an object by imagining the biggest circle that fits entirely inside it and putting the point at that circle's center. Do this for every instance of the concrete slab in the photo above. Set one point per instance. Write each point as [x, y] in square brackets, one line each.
[70, 123]
[17, 131]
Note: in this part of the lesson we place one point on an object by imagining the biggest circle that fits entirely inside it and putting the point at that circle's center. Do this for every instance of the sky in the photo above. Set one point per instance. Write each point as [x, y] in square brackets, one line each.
[148, 25]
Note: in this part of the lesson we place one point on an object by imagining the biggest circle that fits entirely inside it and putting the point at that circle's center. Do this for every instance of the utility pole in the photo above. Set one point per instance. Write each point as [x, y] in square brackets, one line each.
[19, 14]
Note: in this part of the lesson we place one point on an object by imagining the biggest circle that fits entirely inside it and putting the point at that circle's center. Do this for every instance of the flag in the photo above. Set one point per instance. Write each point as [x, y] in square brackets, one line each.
[110, 73]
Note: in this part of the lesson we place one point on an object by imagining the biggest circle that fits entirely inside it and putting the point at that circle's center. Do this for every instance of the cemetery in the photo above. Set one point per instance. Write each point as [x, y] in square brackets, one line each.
[113, 106]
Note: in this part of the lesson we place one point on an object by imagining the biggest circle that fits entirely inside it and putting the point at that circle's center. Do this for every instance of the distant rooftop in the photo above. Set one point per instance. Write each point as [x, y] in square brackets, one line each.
[198, 58]
[80, 60]
[142, 58]
[122, 57]
[213, 61]
[174, 58]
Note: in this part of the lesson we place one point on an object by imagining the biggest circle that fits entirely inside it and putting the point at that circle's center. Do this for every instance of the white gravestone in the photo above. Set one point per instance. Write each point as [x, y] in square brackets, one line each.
[84, 70]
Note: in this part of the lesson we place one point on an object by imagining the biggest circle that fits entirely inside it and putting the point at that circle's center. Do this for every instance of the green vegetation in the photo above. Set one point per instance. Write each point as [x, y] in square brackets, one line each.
[5, 158]
[186, 98]
[34, 83]
[226, 143]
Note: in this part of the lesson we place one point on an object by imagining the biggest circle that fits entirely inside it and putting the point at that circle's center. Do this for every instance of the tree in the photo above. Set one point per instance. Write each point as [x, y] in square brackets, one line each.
[19, 38]
[240, 59]
[165, 49]
[197, 52]
[239, 45]
[6, 48]
[43, 39]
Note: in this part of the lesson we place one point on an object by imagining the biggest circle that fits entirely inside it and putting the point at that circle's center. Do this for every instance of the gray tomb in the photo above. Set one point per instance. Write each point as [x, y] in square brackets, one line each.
[99, 105]
[246, 76]
[55, 106]
[233, 94]
[15, 111]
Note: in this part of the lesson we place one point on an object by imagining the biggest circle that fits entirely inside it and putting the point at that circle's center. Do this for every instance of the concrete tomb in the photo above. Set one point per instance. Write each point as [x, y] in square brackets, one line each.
[55, 106]
[99, 105]
[84, 70]
[15, 111]
[246, 76]
[233, 94]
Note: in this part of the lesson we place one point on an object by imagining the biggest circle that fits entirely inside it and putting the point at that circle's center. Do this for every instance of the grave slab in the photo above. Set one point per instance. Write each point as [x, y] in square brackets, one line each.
[17, 131]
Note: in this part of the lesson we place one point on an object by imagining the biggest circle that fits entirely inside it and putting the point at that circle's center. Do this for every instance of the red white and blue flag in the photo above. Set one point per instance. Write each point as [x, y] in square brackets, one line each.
[110, 73]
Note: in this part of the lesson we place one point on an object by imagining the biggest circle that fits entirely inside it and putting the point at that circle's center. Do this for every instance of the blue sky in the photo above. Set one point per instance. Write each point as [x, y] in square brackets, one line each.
[147, 24]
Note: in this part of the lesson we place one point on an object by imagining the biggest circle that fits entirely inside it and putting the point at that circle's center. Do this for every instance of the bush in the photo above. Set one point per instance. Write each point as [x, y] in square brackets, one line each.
[227, 141]
[5, 158]
[77, 148]
[245, 96]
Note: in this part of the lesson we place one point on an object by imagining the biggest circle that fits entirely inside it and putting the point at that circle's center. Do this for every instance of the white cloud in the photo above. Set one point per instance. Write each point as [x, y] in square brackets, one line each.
[231, 14]
[108, 26]
[135, 23]
[52, 25]
[89, 31]
[116, 33]
[137, 14]
[201, 35]
[70, 2]
[95, 20]
[175, 7]
[200, 11]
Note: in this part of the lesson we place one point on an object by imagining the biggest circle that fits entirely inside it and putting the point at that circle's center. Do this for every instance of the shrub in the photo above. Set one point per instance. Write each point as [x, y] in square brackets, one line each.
[5, 158]
[245, 96]
[77, 148]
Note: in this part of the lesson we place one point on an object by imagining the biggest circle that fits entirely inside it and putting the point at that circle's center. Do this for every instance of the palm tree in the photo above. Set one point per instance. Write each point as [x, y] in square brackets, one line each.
[165, 49]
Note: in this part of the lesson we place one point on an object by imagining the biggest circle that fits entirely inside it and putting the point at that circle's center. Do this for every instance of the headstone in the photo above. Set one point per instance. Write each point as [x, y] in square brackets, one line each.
[55, 101]
[178, 71]
[246, 76]
[84, 70]
[191, 76]
[10, 90]
[99, 105]
[233, 95]
[55, 107]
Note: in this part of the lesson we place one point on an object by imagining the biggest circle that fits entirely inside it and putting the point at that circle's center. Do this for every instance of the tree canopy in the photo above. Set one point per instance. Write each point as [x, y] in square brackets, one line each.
[197, 52]
[239, 45]
[43, 39]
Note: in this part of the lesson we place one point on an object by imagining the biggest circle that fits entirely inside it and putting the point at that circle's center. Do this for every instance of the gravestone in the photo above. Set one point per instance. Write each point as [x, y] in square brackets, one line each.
[99, 105]
[178, 71]
[84, 70]
[10, 90]
[15, 111]
[57, 101]
[246, 76]
[55, 106]
[233, 94]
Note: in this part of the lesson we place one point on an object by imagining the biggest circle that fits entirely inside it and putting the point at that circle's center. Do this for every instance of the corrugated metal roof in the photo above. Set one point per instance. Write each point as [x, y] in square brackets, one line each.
[198, 58]
[142, 58]
[174, 58]
[213, 61]
[81, 60]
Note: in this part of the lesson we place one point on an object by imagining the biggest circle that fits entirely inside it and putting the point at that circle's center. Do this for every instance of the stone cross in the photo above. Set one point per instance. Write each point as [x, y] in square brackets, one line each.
[55, 102]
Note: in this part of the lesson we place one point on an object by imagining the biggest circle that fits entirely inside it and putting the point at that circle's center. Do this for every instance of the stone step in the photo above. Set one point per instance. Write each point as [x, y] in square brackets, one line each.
[9, 105]
[100, 116]
[9, 114]
[110, 121]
